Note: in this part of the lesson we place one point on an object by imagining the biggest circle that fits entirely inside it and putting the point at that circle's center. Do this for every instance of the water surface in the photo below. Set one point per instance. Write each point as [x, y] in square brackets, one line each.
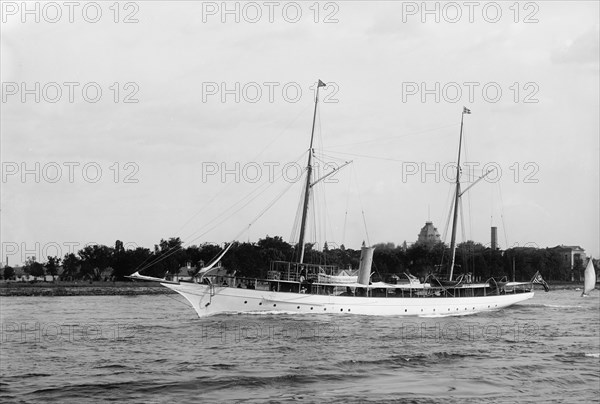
[154, 349]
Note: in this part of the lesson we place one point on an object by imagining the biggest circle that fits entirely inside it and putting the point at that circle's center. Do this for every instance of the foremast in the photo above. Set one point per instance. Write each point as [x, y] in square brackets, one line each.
[308, 179]
[456, 196]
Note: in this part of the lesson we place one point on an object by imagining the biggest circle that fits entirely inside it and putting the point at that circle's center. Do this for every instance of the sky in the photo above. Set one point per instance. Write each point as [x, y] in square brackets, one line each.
[145, 120]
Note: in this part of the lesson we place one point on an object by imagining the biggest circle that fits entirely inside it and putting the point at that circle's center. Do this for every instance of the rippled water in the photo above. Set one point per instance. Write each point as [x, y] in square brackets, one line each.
[154, 349]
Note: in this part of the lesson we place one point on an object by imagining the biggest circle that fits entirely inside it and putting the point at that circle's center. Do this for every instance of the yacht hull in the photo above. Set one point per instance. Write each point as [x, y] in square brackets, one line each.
[208, 300]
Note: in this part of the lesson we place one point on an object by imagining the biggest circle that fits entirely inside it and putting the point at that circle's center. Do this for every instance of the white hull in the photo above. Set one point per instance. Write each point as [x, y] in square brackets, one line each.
[226, 299]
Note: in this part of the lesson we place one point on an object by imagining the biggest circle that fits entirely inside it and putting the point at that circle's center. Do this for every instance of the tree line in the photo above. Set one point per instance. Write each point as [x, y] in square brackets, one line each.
[100, 262]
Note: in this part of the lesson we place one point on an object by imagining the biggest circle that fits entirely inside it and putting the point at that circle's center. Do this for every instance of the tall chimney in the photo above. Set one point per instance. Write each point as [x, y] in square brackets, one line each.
[494, 238]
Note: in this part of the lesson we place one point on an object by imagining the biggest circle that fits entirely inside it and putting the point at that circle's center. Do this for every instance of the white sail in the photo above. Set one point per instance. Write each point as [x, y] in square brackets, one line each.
[589, 275]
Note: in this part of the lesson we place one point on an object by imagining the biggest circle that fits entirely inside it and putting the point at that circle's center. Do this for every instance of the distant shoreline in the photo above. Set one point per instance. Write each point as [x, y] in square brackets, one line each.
[8, 289]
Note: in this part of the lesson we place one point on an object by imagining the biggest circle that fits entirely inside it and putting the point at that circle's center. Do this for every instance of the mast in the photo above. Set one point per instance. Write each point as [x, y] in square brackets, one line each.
[308, 178]
[456, 196]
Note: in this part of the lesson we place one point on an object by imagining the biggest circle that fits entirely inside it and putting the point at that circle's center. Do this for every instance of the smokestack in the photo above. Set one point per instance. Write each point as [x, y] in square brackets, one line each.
[494, 238]
[364, 269]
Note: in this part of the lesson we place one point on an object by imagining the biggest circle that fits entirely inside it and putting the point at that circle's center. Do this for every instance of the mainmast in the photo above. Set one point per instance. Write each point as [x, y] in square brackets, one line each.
[456, 196]
[308, 178]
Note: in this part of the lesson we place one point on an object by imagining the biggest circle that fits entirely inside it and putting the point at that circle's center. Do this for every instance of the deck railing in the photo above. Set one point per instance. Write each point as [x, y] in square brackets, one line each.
[296, 272]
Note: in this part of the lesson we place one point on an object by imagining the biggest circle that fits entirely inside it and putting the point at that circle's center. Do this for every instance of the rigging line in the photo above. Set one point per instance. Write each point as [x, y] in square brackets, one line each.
[502, 214]
[462, 231]
[256, 191]
[462, 220]
[173, 250]
[366, 230]
[313, 217]
[448, 223]
[396, 137]
[295, 234]
[370, 157]
[347, 203]
[317, 198]
[328, 220]
[465, 149]
[450, 199]
[271, 204]
[253, 159]
[361, 206]
[324, 212]
[268, 207]
[216, 225]
[320, 153]
[491, 207]
[470, 218]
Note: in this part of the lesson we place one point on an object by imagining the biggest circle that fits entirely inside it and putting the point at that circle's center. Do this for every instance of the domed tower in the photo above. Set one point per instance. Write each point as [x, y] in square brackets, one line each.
[429, 235]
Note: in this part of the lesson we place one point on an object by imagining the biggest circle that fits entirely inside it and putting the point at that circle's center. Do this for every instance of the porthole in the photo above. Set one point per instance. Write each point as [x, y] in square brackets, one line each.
[405, 310]
[311, 308]
[324, 308]
[348, 309]
[341, 309]
[260, 304]
[245, 301]
[298, 306]
[274, 305]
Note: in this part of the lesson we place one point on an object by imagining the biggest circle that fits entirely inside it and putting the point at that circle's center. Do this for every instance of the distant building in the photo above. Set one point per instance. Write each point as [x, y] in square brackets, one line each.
[22, 276]
[185, 273]
[569, 254]
[429, 235]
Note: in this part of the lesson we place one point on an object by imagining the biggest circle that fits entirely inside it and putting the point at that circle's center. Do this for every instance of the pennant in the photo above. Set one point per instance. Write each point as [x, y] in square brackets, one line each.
[466, 110]
[321, 84]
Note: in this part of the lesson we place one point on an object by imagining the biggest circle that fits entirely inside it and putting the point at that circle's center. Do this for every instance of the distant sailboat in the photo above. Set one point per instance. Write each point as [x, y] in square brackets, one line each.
[589, 276]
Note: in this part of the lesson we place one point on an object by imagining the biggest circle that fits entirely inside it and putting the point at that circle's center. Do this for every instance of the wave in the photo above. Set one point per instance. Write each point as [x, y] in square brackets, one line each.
[112, 366]
[420, 359]
[553, 306]
[570, 355]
